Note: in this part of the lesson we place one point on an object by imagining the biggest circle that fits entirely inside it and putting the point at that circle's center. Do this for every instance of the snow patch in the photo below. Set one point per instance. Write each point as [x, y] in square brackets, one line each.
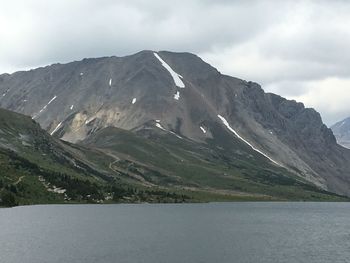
[43, 108]
[224, 121]
[57, 127]
[133, 100]
[71, 107]
[177, 95]
[81, 74]
[110, 82]
[176, 77]
[90, 120]
[203, 130]
[173, 133]
[160, 126]
[6, 91]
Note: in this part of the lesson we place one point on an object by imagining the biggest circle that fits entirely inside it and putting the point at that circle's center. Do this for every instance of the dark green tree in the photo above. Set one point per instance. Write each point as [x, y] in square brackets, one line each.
[8, 199]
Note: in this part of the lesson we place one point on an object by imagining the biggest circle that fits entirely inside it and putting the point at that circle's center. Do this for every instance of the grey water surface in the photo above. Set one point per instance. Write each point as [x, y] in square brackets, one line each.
[215, 233]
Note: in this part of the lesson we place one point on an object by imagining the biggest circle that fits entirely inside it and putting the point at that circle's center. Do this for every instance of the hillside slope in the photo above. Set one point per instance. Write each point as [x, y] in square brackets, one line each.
[146, 165]
[36, 168]
[223, 166]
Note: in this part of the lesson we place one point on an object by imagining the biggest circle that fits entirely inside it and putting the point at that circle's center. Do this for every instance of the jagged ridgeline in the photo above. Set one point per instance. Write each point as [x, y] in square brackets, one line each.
[171, 123]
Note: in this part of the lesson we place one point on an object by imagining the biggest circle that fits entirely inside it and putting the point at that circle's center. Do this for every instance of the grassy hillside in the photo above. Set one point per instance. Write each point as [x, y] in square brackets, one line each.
[36, 168]
[226, 168]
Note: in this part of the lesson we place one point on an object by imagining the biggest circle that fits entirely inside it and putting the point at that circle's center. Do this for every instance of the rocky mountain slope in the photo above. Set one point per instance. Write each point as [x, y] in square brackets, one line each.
[185, 97]
[341, 131]
[115, 165]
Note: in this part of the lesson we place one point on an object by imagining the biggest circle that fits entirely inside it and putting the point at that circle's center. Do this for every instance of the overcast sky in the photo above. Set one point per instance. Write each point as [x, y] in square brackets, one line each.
[298, 49]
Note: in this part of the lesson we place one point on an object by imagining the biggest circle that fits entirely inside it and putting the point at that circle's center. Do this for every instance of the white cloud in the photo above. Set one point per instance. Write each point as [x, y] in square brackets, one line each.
[330, 95]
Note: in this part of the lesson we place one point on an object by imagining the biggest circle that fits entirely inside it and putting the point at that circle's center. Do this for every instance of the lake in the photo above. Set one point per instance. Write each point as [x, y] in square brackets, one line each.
[151, 233]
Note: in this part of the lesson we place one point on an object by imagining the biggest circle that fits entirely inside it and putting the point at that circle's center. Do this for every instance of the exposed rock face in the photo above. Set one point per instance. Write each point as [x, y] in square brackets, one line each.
[341, 131]
[77, 99]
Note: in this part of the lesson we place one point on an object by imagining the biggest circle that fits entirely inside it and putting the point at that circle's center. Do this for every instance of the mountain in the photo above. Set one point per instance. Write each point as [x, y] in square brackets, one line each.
[144, 166]
[341, 131]
[181, 95]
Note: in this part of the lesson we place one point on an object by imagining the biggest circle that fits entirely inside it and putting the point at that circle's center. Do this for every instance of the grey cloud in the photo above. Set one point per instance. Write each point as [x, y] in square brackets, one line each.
[284, 45]
[65, 30]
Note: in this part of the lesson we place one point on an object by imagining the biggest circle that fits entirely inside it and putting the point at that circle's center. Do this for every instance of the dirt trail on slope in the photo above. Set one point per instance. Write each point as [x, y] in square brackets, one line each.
[19, 180]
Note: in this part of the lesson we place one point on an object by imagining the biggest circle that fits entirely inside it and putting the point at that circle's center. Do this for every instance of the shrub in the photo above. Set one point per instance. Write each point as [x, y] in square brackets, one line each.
[8, 199]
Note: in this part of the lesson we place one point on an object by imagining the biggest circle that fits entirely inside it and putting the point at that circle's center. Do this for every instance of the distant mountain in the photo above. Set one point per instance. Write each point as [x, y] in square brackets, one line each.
[184, 97]
[341, 131]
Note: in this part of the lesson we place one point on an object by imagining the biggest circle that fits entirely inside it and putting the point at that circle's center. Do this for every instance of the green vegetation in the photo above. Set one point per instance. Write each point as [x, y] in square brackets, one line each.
[216, 170]
[8, 199]
[37, 169]
[117, 166]
[24, 182]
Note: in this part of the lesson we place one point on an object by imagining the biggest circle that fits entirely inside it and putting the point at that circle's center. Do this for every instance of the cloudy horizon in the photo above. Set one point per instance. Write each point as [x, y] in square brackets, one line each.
[296, 49]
